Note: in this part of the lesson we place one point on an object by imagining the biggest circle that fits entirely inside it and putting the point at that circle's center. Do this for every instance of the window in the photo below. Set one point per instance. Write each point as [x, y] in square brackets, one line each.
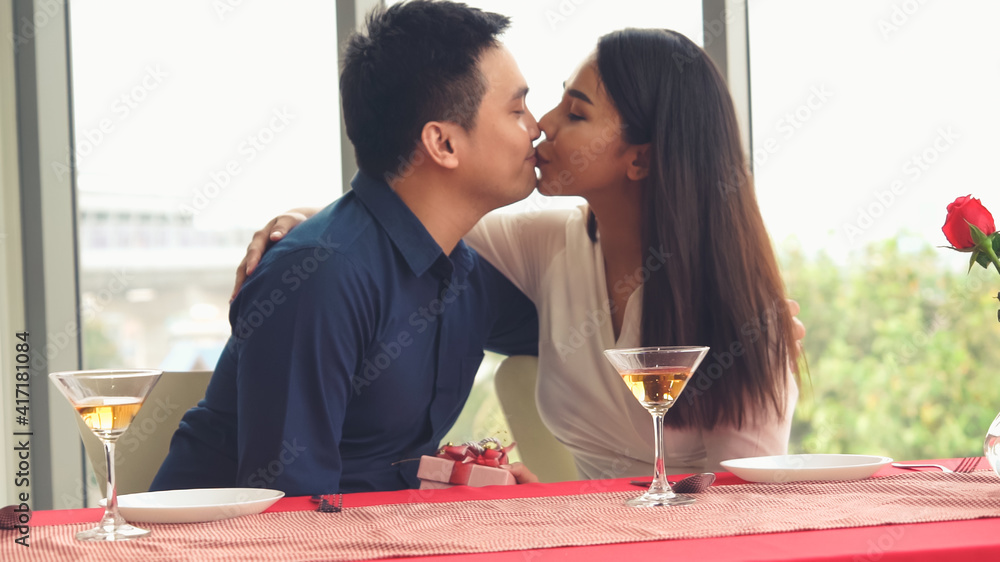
[195, 123]
[868, 119]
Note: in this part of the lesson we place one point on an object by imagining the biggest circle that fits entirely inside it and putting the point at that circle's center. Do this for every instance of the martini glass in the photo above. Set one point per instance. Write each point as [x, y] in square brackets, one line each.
[107, 401]
[656, 376]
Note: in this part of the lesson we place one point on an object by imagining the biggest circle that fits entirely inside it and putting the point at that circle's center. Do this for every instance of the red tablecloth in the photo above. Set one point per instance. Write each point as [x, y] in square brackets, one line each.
[966, 540]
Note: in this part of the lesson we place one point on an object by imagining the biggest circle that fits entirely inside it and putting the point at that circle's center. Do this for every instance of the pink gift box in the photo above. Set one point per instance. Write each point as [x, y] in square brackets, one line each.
[436, 472]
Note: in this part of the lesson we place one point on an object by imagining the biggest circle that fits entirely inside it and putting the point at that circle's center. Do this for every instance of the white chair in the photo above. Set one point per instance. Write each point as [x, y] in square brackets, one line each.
[515, 382]
[141, 449]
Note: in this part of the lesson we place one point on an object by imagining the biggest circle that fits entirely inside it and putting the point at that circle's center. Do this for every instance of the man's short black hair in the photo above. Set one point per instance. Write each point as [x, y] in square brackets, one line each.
[416, 62]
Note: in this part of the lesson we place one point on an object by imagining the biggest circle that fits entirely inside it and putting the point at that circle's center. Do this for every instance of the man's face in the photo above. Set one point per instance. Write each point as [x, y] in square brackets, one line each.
[500, 160]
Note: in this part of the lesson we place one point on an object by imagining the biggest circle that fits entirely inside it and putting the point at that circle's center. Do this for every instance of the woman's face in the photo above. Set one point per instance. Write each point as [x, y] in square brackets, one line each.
[583, 148]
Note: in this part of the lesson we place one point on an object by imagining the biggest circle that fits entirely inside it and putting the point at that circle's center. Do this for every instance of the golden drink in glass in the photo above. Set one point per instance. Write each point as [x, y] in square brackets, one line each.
[657, 376]
[108, 402]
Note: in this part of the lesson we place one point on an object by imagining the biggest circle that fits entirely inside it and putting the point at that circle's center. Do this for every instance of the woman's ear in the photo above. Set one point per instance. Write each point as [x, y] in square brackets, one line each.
[638, 162]
[438, 139]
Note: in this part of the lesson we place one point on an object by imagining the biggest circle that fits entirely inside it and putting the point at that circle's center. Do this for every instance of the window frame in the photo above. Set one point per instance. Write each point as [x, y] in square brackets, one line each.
[39, 210]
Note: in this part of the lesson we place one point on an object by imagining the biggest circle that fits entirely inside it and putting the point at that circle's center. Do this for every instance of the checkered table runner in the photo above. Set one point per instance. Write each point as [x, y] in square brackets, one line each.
[422, 529]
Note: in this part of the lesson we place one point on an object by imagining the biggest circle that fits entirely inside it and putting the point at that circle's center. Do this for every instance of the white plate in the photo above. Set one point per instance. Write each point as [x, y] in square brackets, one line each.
[195, 506]
[795, 468]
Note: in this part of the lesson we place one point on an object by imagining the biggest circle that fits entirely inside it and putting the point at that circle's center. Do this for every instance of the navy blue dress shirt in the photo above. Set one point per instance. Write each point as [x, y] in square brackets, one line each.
[354, 345]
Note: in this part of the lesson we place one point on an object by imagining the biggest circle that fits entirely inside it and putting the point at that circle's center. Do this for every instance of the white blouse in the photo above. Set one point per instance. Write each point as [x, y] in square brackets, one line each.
[580, 397]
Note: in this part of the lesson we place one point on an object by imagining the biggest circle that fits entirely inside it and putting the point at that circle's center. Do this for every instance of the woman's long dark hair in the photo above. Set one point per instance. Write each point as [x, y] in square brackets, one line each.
[719, 284]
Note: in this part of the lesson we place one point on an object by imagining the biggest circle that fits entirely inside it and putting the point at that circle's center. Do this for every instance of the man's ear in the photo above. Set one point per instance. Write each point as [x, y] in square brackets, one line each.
[638, 162]
[438, 139]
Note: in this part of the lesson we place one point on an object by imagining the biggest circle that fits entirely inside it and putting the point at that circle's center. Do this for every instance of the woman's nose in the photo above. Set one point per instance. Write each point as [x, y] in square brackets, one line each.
[547, 125]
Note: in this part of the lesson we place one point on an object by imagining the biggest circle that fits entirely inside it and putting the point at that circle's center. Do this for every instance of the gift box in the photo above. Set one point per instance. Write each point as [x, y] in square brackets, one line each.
[471, 464]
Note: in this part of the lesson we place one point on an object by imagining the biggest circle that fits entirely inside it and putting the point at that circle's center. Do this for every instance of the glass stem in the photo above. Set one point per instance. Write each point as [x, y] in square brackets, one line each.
[660, 484]
[111, 517]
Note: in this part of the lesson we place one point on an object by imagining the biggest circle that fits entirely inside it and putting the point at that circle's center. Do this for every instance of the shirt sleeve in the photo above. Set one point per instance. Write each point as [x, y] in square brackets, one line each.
[301, 336]
[761, 435]
[521, 245]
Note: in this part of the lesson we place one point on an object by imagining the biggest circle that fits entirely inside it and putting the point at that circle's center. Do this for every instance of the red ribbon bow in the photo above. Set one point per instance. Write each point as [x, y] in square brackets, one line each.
[487, 452]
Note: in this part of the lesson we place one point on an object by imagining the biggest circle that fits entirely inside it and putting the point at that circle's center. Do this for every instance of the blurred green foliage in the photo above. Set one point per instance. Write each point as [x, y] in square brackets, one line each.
[902, 353]
[99, 349]
[902, 356]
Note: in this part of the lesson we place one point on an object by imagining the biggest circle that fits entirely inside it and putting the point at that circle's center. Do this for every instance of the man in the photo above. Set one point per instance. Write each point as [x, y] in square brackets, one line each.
[356, 341]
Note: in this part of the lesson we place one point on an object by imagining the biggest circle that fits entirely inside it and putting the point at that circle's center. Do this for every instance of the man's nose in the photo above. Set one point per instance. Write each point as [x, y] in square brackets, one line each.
[533, 128]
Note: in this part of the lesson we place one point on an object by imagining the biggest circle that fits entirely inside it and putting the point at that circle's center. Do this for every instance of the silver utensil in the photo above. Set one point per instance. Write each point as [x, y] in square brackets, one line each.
[690, 485]
[943, 468]
[968, 464]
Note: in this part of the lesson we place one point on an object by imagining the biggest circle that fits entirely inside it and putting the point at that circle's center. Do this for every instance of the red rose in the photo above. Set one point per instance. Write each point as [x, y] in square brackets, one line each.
[961, 213]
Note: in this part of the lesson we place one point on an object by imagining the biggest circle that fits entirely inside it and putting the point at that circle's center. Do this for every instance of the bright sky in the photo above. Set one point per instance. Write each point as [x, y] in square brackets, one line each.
[886, 80]
[225, 78]
[911, 102]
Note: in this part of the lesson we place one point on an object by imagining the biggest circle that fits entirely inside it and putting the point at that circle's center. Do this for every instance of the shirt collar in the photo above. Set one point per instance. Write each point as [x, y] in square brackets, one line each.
[407, 233]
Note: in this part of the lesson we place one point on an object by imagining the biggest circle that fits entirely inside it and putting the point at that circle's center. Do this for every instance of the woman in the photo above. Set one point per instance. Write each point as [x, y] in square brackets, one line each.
[670, 249]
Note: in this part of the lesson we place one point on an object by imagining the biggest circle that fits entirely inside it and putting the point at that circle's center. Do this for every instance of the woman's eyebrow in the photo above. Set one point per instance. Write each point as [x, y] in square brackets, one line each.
[579, 95]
